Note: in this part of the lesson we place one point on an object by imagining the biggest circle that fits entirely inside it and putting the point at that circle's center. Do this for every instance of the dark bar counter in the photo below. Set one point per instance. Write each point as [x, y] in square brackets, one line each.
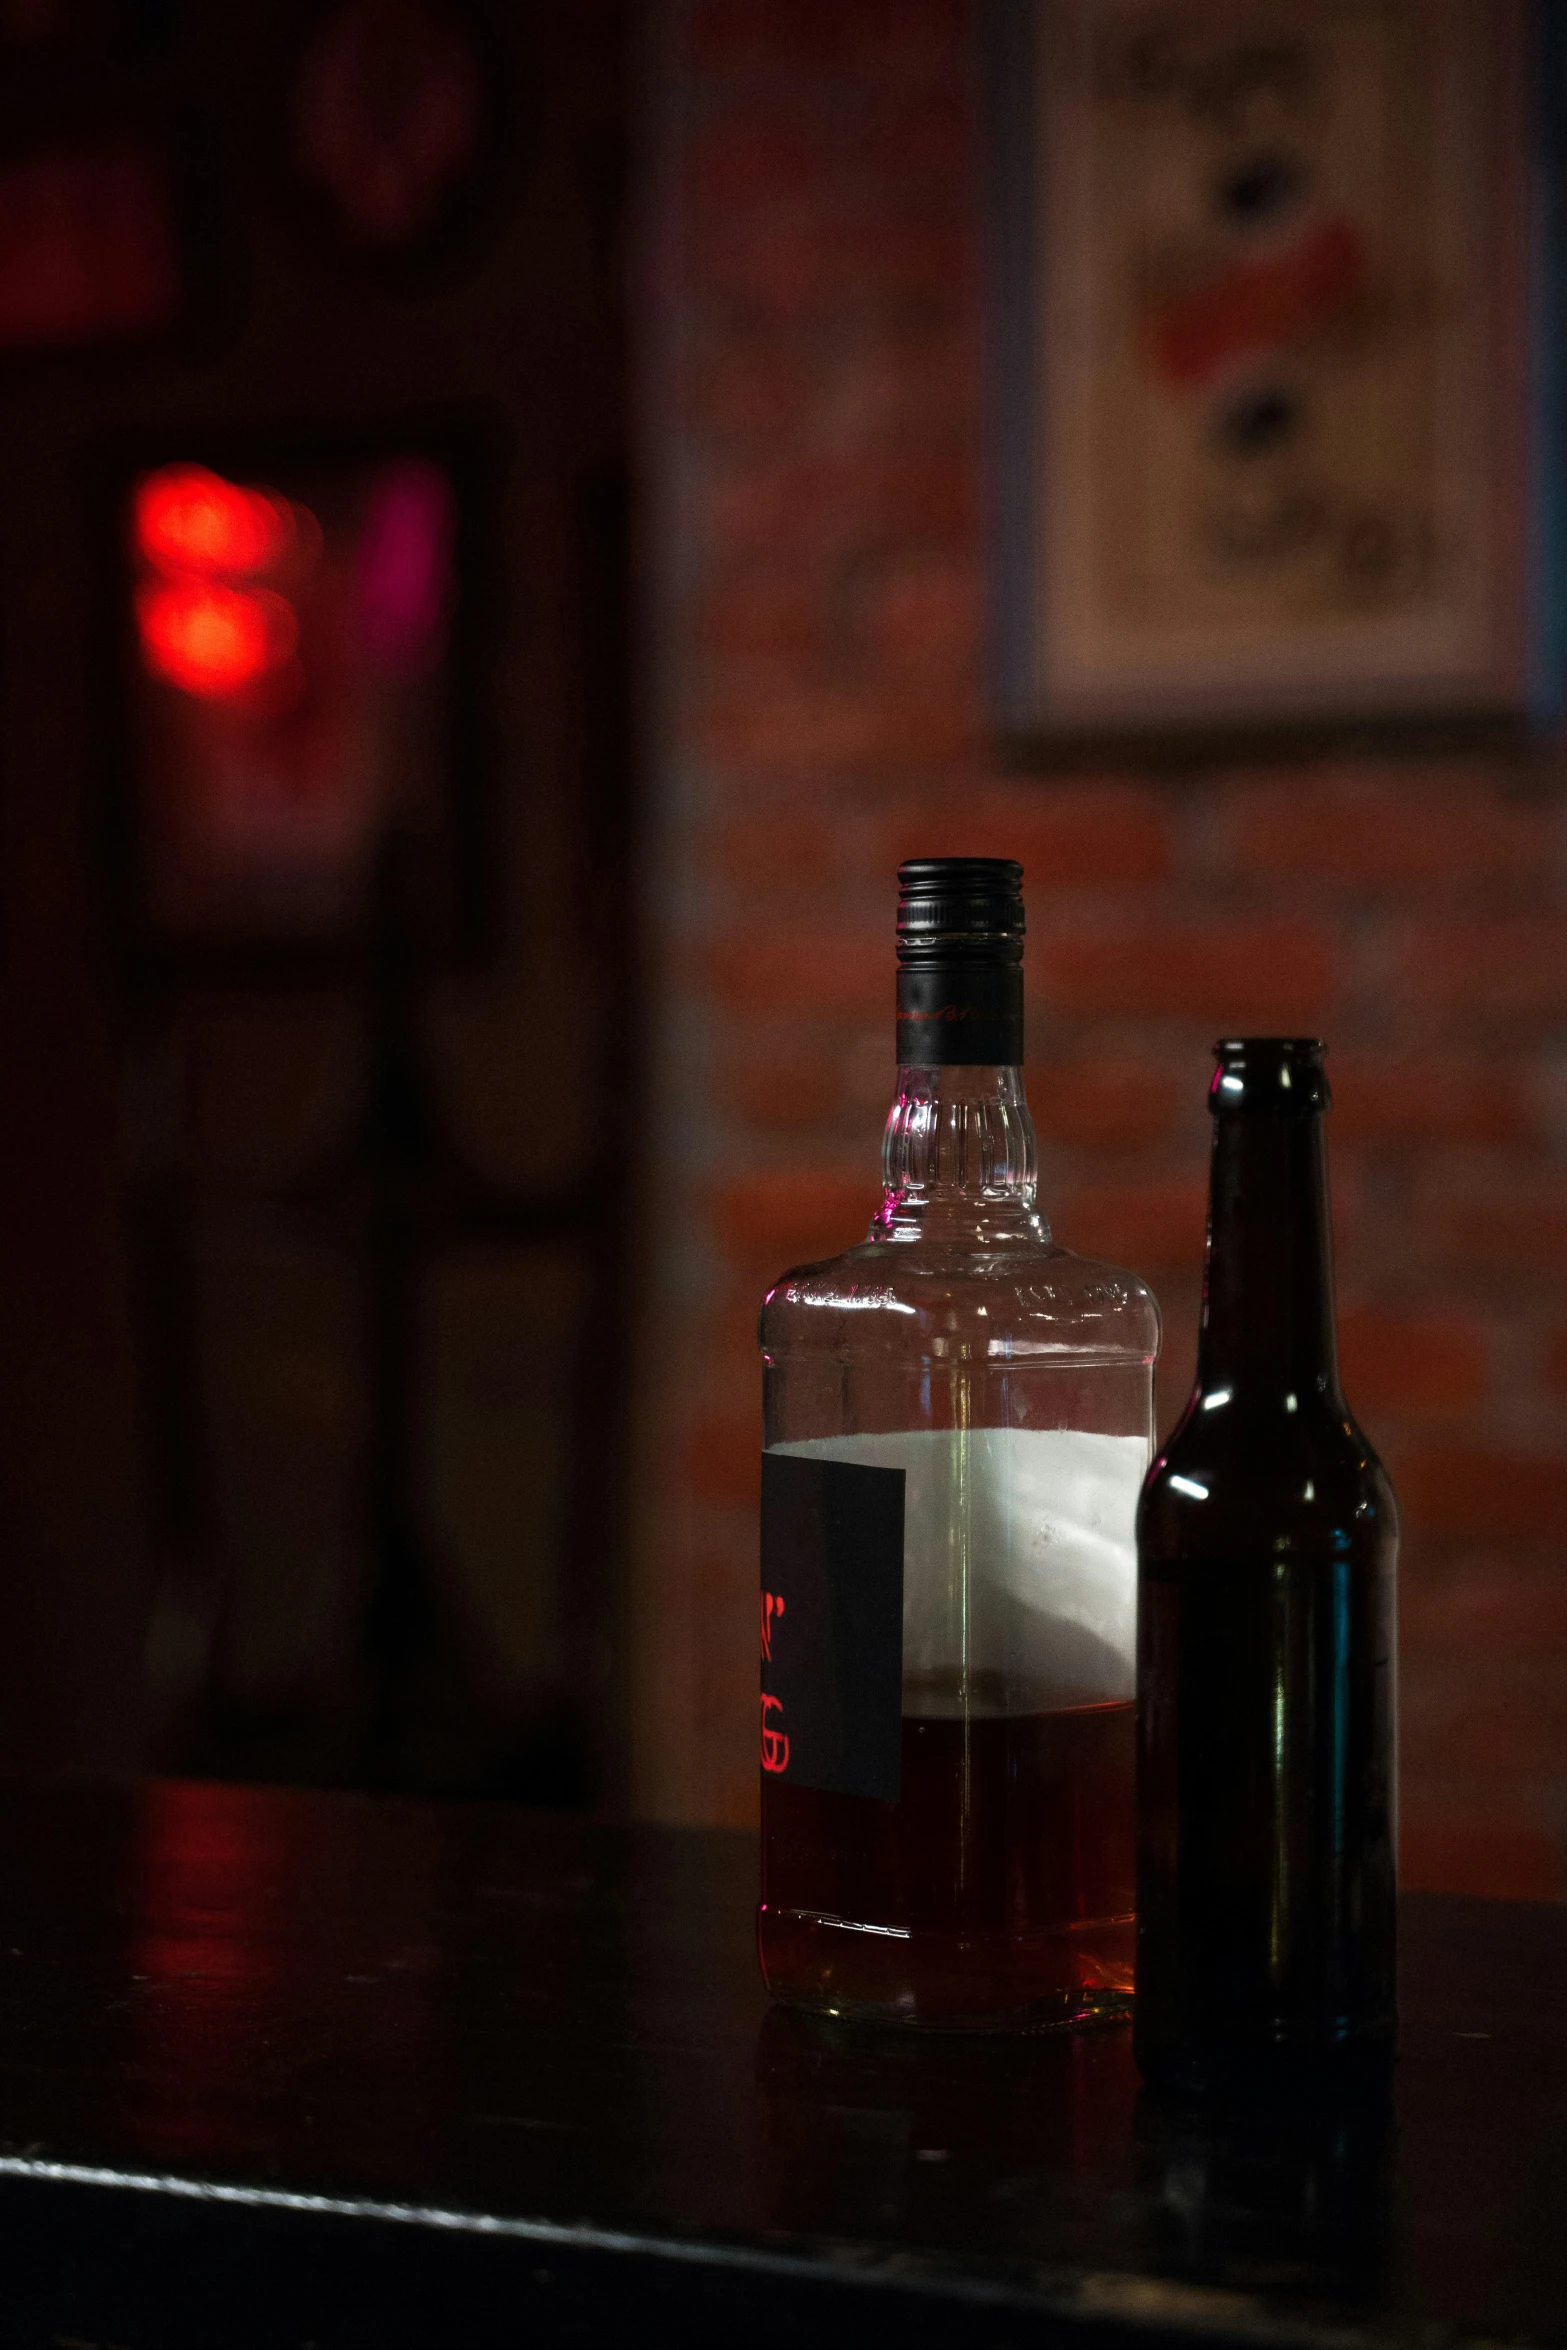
[300, 2069]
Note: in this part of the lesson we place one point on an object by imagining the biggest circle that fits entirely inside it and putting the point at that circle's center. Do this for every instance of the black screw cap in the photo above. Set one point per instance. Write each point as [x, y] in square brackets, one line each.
[960, 909]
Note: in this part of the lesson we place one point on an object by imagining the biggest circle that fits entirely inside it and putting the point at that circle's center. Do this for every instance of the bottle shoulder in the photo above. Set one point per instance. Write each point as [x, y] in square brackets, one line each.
[1009, 1298]
[1226, 1480]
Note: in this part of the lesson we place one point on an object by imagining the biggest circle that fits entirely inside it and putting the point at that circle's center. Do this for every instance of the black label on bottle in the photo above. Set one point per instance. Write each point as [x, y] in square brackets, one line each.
[832, 1625]
[952, 1014]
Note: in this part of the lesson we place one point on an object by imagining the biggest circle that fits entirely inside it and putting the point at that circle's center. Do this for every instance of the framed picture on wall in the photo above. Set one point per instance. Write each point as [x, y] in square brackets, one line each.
[1276, 358]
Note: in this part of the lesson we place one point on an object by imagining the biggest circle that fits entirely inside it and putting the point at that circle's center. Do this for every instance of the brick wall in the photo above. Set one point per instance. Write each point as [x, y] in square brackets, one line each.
[814, 403]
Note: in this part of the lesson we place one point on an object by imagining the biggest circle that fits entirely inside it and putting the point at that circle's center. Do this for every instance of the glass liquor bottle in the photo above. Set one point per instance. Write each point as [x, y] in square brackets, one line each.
[1267, 1539]
[958, 1418]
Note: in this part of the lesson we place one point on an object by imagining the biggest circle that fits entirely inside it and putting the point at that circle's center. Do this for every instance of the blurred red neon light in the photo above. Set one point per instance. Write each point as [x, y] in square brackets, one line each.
[188, 519]
[212, 640]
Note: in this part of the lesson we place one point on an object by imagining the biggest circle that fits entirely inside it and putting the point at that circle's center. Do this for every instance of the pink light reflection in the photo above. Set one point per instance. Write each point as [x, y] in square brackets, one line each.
[405, 555]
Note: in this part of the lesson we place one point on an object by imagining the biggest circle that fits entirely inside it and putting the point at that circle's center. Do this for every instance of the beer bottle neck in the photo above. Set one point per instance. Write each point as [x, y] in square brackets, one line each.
[1267, 1317]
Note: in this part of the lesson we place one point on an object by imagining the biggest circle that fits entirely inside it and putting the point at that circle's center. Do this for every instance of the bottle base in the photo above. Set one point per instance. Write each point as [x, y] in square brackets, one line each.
[1296, 2071]
[1069, 1980]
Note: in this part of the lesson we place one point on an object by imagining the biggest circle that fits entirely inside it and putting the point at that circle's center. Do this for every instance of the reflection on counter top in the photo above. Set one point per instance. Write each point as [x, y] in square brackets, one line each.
[283, 2066]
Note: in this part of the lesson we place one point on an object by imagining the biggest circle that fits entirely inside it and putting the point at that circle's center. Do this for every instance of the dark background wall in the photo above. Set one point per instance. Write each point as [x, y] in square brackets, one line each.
[816, 375]
[195, 1572]
[196, 1592]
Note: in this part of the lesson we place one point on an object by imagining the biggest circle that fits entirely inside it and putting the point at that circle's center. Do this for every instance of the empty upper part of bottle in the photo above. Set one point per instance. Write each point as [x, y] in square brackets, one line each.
[960, 1253]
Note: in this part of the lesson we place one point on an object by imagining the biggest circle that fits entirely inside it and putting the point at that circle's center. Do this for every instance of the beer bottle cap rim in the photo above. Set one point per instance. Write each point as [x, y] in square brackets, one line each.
[1278, 1074]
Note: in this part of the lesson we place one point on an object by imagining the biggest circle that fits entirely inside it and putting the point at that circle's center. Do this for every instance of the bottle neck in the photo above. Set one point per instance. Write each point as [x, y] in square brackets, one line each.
[959, 1161]
[1267, 1314]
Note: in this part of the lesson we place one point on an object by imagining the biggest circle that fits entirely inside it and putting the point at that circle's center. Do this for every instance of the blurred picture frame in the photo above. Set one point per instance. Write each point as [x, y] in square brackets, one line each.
[295, 724]
[1276, 367]
[99, 236]
[392, 129]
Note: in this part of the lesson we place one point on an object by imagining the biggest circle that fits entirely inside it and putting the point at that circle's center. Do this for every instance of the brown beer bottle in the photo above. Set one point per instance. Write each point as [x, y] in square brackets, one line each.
[1267, 1542]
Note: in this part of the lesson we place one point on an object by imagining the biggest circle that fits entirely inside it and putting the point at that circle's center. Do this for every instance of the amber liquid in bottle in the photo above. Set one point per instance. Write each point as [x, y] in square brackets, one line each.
[1008, 1856]
[1267, 1539]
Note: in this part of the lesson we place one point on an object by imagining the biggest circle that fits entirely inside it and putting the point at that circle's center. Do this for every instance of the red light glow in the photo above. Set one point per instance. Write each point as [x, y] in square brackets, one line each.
[211, 640]
[188, 519]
